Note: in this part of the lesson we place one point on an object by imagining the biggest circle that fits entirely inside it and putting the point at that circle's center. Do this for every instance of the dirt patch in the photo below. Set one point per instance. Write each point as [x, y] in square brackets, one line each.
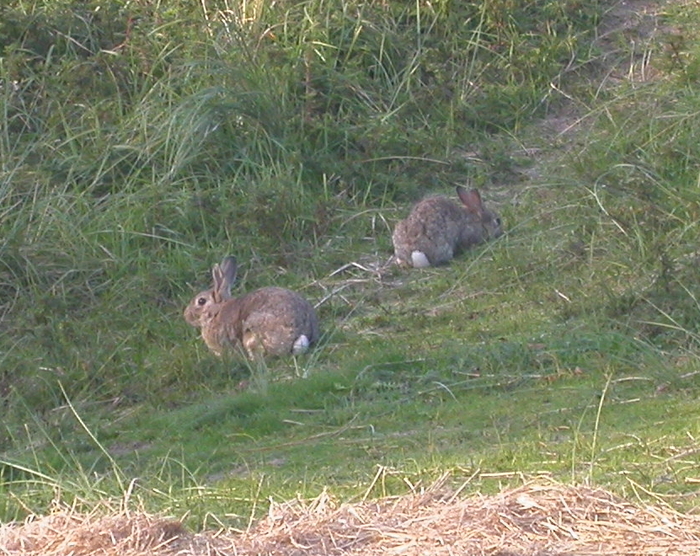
[539, 519]
[624, 51]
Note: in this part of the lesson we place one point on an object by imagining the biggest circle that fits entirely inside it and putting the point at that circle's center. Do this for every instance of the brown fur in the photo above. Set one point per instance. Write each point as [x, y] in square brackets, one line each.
[268, 321]
[438, 228]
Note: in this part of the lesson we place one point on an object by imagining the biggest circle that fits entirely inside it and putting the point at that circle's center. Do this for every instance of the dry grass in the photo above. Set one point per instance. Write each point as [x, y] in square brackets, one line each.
[123, 534]
[536, 519]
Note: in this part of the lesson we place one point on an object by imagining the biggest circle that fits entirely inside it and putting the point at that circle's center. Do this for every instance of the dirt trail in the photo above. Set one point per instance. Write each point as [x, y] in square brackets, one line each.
[624, 41]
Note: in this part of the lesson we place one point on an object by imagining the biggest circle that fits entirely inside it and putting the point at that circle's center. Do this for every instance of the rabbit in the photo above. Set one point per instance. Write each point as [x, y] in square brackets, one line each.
[437, 229]
[266, 322]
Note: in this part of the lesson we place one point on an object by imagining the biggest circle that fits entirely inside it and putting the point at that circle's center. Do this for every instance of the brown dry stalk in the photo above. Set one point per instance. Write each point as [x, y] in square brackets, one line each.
[542, 518]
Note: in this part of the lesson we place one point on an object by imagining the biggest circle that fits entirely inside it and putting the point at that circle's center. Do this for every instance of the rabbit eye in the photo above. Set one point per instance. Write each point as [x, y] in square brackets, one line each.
[201, 301]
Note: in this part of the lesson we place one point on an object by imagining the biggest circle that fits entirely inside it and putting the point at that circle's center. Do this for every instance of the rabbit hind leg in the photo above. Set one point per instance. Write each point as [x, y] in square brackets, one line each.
[252, 345]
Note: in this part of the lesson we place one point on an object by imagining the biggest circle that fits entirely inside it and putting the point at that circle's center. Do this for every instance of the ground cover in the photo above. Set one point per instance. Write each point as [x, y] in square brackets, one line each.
[141, 145]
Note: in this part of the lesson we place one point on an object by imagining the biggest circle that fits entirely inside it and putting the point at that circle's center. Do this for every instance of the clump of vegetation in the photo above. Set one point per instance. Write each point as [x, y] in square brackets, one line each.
[140, 143]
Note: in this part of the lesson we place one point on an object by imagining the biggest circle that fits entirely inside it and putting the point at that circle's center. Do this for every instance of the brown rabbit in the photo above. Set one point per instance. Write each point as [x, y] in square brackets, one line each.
[437, 229]
[268, 321]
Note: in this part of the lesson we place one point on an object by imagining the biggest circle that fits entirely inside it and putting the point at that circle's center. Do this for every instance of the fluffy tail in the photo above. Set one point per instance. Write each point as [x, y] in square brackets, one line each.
[419, 260]
[300, 345]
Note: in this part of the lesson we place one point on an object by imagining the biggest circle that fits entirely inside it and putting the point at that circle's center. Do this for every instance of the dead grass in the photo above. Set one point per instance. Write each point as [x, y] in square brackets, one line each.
[542, 518]
[121, 534]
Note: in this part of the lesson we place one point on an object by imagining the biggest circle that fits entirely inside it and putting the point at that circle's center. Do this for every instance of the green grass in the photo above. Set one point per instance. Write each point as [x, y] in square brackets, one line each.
[139, 145]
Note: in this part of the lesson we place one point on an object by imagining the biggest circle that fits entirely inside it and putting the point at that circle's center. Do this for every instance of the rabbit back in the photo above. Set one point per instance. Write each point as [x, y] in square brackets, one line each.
[270, 321]
[430, 234]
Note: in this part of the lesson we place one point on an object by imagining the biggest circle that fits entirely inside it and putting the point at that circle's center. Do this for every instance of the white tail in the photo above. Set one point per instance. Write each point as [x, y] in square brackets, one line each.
[300, 345]
[419, 260]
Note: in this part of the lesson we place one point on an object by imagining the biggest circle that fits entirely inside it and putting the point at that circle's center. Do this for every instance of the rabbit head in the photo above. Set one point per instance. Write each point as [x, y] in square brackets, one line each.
[484, 224]
[207, 304]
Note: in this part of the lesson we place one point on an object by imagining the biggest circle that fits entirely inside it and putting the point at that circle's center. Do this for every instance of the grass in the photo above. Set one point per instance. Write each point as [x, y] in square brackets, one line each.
[141, 144]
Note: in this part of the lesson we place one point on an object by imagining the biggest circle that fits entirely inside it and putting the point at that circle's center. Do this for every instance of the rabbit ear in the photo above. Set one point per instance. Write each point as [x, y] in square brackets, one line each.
[471, 199]
[224, 275]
